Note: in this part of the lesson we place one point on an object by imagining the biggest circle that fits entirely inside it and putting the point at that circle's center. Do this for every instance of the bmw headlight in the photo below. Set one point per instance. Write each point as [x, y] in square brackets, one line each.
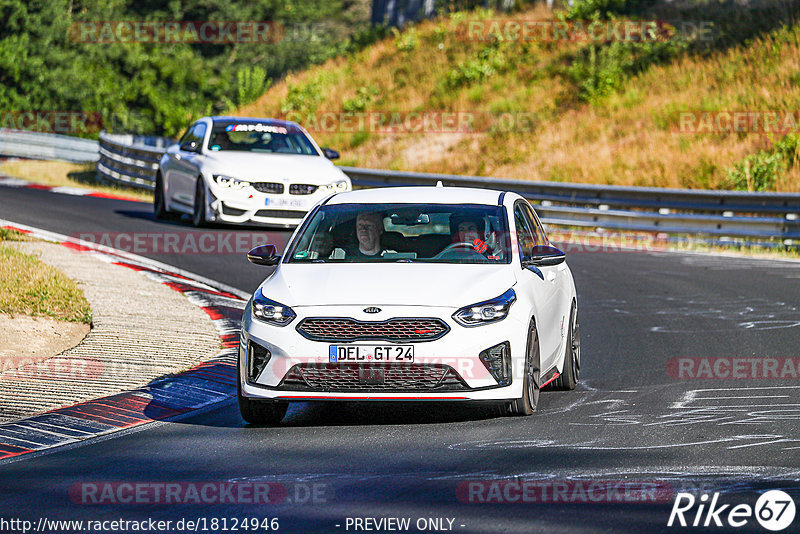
[232, 183]
[338, 186]
[488, 311]
[271, 312]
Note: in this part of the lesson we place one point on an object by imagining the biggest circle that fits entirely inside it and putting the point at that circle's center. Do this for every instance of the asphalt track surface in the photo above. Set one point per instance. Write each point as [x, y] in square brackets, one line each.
[631, 419]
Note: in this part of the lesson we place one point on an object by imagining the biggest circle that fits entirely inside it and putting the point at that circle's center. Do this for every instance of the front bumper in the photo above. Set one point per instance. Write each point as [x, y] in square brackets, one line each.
[244, 206]
[454, 356]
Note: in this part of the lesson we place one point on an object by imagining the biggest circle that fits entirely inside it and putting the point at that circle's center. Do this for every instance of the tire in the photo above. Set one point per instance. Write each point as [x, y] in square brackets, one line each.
[199, 211]
[572, 356]
[260, 412]
[159, 200]
[526, 405]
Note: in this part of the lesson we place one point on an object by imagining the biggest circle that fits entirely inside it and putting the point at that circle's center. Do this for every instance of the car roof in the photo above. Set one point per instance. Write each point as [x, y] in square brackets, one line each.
[419, 195]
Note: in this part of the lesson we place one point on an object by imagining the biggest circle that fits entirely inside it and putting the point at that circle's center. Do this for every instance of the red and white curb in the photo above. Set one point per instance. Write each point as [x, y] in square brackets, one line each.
[205, 384]
[7, 181]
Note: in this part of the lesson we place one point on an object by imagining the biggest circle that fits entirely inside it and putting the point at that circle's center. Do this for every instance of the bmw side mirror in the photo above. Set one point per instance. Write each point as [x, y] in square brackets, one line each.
[330, 153]
[264, 255]
[544, 256]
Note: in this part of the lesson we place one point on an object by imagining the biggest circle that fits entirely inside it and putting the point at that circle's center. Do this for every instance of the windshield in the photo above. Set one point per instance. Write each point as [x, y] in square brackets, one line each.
[426, 233]
[250, 136]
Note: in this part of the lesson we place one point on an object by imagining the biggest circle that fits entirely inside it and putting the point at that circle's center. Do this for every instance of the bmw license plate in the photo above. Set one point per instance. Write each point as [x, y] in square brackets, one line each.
[284, 203]
[371, 353]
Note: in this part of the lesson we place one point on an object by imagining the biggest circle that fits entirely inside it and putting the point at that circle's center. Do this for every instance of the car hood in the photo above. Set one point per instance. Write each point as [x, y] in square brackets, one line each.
[398, 284]
[253, 166]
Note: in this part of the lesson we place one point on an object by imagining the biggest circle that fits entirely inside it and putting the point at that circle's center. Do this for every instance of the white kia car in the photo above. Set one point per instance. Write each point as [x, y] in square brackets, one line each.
[245, 170]
[410, 294]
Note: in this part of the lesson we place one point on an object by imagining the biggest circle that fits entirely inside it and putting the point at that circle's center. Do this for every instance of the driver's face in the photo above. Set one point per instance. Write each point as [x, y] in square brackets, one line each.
[367, 231]
[467, 231]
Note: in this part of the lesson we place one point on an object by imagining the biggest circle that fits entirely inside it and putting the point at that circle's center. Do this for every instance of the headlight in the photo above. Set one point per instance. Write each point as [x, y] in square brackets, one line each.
[489, 311]
[271, 312]
[232, 183]
[336, 187]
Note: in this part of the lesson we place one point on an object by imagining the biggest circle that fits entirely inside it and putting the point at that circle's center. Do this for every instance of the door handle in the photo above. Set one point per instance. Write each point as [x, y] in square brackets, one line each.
[551, 276]
[177, 156]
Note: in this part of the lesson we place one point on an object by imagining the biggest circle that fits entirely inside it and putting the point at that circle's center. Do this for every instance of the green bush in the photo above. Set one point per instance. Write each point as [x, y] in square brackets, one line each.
[158, 88]
[599, 69]
[302, 98]
[364, 97]
[406, 41]
[760, 171]
[591, 9]
[252, 83]
[489, 61]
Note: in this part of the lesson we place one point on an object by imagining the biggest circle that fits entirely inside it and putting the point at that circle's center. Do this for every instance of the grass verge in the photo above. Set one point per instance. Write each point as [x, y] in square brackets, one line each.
[31, 287]
[61, 173]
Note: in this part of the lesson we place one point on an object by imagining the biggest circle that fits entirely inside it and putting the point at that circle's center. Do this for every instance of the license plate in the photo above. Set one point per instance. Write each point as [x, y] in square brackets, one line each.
[371, 353]
[284, 203]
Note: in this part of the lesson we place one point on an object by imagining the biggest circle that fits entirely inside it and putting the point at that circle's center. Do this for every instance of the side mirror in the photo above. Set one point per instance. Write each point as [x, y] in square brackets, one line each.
[191, 146]
[264, 255]
[330, 153]
[544, 256]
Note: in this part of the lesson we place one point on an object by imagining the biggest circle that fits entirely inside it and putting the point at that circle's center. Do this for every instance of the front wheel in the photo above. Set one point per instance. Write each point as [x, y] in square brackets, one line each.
[199, 212]
[261, 412]
[526, 404]
[568, 378]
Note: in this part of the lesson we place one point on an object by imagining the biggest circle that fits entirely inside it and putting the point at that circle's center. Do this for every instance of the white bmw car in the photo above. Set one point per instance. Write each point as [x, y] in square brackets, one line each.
[245, 170]
[410, 294]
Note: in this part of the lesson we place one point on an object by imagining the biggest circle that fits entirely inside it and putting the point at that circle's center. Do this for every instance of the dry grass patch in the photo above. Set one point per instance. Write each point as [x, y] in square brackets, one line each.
[31, 287]
[61, 173]
[627, 137]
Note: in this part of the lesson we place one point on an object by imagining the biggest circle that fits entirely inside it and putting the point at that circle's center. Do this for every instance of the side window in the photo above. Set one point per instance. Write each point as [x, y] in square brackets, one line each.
[524, 234]
[187, 137]
[194, 135]
[538, 231]
[199, 133]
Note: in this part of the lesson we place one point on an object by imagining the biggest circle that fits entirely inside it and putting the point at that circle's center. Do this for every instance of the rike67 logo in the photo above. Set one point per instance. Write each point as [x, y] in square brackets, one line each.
[774, 510]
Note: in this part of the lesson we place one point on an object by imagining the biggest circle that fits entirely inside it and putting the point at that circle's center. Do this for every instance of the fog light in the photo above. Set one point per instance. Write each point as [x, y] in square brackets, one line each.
[497, 361]
[257, 359]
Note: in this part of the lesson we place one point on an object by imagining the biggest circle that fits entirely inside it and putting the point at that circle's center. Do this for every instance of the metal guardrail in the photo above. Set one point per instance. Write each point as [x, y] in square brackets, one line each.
[648, 209]
[129, 160]
[37, 145]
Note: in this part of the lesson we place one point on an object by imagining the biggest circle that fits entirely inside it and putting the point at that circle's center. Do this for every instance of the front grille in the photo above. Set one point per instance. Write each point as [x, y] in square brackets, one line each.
[281, 214]
[269, 187]
[302, 189]
[346, 329]
[347, 377]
